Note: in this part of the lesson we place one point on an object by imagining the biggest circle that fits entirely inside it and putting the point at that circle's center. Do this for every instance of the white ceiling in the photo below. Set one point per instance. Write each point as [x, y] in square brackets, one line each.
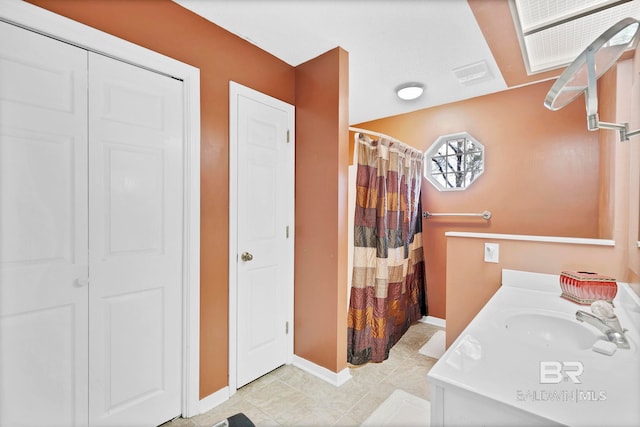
[389, 43]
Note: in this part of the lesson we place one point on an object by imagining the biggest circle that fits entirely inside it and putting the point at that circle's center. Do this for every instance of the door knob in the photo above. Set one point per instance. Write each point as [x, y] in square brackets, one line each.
[246, 256]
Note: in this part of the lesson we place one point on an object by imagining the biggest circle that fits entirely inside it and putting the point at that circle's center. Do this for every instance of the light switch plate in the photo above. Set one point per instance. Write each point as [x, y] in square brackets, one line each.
[491, 252]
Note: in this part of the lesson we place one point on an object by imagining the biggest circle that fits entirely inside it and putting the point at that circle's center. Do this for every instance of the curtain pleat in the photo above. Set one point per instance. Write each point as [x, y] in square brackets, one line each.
[388, 286]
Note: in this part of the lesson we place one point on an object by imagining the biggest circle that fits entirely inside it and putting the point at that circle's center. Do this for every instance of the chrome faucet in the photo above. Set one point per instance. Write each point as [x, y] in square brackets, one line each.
[608, 325]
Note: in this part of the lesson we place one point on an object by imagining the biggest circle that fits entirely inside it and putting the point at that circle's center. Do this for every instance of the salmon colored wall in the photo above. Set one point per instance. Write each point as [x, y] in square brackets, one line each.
[607, 110]
[634, 179]
[496, 23]
[622, 163]
[166, 27]
[470, 287]
[528, 184]
[615, 105]
[322, 159]
[627, 176]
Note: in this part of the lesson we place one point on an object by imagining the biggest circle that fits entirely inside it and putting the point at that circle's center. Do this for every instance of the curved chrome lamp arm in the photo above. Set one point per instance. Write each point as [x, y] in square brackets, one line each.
[570, 85]
[591, 91]
[591, 98]
[623, 128]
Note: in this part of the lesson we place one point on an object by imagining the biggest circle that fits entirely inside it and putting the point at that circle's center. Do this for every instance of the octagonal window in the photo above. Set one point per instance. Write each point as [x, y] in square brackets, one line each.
[454, 161]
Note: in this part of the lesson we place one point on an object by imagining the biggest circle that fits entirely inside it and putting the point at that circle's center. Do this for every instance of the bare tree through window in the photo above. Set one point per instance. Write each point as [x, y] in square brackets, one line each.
[454, 161]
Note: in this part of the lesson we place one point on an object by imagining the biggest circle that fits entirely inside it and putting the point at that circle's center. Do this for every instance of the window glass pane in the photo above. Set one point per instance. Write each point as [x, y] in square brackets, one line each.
[474, 161]
[470, 145]
[456, 146]
[469, 178]
[442, 150]
[438, 164]
[440, 180]
[451, 180]
[452, 163]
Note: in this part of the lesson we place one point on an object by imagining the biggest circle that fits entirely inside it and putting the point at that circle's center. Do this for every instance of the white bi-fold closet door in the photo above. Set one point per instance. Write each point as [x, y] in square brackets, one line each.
[91, 159]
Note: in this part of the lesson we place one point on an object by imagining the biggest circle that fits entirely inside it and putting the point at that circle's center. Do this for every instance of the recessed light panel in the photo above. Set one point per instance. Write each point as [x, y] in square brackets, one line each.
[554, 33]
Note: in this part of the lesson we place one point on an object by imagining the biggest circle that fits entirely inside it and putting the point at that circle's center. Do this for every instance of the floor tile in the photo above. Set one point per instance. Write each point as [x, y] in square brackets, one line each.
[289, 396]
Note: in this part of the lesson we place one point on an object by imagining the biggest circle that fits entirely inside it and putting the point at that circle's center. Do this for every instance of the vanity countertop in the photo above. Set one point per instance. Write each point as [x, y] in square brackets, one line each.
[526, 336]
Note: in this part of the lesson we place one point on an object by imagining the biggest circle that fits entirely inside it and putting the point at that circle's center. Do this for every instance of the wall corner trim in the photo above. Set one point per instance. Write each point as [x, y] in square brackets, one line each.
[213, 400]
[333, 378]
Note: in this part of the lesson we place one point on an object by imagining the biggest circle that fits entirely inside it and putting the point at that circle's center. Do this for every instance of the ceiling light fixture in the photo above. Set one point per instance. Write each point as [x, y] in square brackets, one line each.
[409, 91]
[581, 76]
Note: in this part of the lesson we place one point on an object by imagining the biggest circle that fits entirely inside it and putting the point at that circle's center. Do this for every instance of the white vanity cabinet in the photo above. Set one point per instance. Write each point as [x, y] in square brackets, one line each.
[455, 406]
[525, 360]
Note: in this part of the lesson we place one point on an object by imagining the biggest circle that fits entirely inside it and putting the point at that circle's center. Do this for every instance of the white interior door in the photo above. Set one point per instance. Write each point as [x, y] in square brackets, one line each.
[43, 231]
[135, 236]
[265, 192]
[91, 162]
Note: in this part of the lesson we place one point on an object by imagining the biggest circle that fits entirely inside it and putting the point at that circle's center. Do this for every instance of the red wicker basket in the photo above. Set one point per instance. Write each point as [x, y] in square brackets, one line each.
[583, 287]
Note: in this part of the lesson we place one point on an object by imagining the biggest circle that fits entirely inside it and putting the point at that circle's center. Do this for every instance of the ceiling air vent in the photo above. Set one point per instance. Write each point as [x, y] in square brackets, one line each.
[473, 73]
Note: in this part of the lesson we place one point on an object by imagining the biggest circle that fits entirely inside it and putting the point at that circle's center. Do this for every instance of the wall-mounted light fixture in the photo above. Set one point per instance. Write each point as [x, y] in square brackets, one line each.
[409, 91]
[582, 74]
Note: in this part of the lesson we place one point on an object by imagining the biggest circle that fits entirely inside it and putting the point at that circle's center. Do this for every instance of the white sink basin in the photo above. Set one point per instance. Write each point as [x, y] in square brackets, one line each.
[551, 330]
[492, 374]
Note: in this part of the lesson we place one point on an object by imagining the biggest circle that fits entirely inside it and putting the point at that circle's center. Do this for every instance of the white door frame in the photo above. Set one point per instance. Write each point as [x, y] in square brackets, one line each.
[56, 26]
[236, 89]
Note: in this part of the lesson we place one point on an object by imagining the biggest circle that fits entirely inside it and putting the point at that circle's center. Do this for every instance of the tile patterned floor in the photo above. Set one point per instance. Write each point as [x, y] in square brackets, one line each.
[289, 396]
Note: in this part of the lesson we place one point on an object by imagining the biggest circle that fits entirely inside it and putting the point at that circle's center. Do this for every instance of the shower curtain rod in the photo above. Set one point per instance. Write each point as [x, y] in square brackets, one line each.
[382, 135]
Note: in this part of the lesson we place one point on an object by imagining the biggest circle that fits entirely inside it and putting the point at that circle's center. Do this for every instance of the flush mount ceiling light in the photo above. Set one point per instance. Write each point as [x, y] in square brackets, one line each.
[409, 91]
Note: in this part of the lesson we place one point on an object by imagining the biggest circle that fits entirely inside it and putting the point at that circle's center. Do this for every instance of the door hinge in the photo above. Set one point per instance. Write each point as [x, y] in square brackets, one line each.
[288, 136]
[287, 231]
[286, 328]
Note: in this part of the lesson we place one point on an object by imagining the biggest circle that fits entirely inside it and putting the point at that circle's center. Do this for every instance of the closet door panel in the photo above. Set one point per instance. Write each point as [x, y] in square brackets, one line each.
[135, 213]
[43, 229]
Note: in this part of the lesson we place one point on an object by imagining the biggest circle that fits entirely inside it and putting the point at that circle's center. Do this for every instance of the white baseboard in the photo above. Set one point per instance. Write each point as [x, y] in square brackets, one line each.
[213, 400]
[435, 321]
[336, 379]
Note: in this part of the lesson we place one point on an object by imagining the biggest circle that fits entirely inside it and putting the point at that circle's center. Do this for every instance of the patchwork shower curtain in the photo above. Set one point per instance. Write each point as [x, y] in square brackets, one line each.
[387, 293]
